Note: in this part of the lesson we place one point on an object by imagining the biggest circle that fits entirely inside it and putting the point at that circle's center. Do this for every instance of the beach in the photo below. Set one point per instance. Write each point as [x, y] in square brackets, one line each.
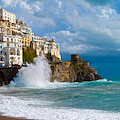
[9, 118]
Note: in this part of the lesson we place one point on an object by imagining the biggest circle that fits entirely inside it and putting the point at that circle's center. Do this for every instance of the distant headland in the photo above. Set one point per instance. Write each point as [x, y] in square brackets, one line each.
[76, 70]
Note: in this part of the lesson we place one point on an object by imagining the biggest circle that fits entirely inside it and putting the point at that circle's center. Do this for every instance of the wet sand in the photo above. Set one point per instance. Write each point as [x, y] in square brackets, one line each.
[10, 118]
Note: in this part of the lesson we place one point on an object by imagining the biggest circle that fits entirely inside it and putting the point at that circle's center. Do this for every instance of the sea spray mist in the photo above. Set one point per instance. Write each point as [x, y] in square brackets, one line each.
[36, 74]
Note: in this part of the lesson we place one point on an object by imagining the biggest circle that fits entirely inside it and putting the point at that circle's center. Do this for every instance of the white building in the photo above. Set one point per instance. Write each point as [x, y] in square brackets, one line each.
[40, 44]
[6, 15]
[52, 48]
[10, 50]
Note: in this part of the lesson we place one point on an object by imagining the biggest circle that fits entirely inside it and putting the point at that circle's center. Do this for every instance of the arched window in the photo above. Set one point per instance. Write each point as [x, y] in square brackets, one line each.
[12, 51]
[18, 52]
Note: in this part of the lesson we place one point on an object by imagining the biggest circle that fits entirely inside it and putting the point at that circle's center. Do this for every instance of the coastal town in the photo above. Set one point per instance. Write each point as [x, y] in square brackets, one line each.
[18, 45]
[16, 36]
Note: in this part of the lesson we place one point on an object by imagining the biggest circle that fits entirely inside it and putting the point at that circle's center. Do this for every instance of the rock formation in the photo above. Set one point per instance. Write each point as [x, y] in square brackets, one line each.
[75, 70]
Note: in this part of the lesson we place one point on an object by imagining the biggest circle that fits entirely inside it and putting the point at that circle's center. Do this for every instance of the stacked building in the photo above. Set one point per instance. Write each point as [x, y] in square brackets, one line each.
[16, 35]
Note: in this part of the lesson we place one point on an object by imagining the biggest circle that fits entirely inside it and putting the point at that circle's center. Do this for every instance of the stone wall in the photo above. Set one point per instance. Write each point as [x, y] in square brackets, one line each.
[7, 74]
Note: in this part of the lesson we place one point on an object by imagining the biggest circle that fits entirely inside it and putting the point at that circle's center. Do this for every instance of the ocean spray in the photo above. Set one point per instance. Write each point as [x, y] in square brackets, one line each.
[35, 75]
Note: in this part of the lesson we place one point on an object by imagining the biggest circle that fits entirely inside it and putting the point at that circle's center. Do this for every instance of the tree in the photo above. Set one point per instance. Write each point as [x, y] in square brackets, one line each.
[29, 54]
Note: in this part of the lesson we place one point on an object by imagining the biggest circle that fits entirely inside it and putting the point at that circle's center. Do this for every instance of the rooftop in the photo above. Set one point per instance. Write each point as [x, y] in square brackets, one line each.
[7, 11]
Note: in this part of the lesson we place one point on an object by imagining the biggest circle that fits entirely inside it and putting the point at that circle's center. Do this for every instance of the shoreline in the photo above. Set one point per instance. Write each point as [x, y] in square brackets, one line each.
[2, 117]
[10, 118]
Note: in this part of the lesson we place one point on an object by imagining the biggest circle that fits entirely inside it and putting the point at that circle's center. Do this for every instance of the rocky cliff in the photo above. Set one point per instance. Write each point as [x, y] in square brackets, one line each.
[75, 70]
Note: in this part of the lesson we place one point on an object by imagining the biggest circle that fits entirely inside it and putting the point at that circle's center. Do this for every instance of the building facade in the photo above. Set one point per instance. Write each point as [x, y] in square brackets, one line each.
[6, 15]
[10, 50]
[15, 35]
[41, 44]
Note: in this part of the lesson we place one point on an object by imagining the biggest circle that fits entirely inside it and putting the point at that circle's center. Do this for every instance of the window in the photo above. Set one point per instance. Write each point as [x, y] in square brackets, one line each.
[18, 52]
[14, 45]
[7, 39]
[7, 44]
[11, 39]
[12, 58]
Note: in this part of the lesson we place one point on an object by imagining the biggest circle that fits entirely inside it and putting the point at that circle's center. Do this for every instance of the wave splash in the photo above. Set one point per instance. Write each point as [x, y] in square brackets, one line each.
[35, 75]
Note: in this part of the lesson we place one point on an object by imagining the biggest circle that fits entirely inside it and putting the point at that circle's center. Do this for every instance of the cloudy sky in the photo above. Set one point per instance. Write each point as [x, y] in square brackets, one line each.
[87, 27]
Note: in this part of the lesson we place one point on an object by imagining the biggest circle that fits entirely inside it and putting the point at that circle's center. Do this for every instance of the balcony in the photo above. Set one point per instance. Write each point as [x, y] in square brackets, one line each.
[2, 62]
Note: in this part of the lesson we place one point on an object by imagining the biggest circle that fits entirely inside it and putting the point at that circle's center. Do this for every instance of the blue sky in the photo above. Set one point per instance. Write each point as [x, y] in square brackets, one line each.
[86, 27]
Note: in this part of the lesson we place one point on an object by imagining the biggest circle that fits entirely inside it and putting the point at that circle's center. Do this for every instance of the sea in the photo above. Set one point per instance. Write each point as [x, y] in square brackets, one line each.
[32, 96]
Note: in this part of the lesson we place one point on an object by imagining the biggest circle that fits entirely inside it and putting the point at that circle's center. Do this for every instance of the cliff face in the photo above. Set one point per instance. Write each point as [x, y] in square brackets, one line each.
[71, 71]
[7, 74]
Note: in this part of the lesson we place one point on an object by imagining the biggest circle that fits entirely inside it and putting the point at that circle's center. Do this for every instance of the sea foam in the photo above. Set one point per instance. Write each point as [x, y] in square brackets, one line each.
[35, 75]
[14, 107]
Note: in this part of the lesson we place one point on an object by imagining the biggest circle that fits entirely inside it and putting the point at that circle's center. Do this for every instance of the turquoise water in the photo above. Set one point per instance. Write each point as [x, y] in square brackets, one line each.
[97, 100]
[97, 97]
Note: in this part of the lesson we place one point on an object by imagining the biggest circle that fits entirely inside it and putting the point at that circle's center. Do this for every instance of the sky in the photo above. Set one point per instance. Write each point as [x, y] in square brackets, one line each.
[85, 27]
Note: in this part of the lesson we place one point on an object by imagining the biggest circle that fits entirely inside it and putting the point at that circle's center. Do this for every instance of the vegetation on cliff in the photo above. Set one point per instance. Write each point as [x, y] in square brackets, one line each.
[29, 54]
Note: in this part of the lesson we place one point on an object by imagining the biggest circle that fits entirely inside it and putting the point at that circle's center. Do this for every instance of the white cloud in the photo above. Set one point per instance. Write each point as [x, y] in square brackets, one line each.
[37, 6]
[118, 49]
[7, 2]
[25, 5]
[26, 11]
[71, 42]
[95, 29]
[45, 21]
[59, 3]
[79, 48]
[72, 22]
